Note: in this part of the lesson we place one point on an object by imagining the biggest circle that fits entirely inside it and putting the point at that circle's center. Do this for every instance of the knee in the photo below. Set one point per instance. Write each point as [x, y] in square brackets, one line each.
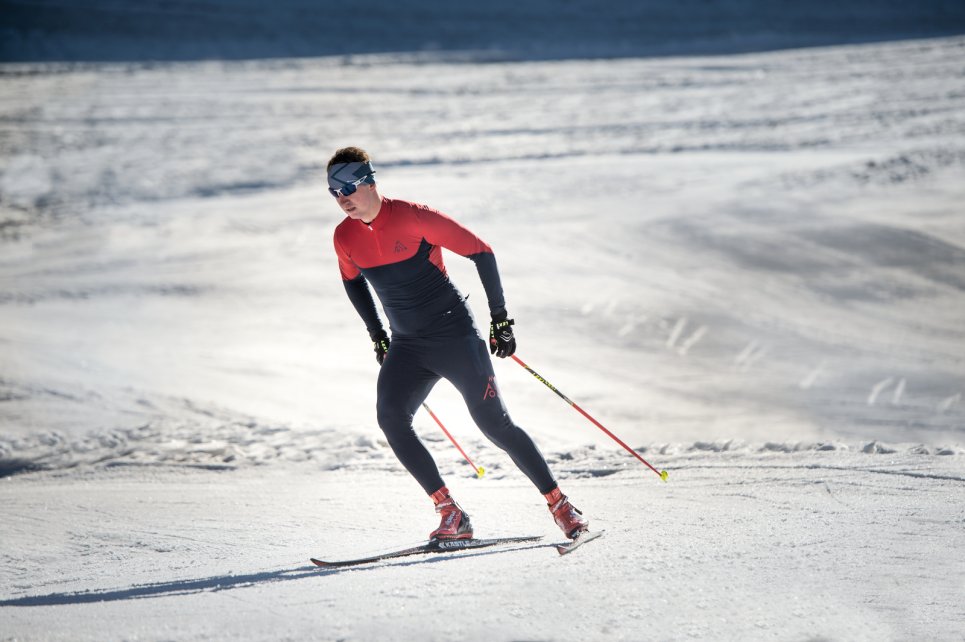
[394, 421]
[496, 426]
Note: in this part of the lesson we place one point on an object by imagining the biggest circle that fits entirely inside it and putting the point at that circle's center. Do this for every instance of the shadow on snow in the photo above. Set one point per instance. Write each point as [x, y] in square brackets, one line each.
[228, 582]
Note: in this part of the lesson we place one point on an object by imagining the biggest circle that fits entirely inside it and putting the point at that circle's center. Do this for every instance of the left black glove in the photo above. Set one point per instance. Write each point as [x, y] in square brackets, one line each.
[502, 343]
[380, 343]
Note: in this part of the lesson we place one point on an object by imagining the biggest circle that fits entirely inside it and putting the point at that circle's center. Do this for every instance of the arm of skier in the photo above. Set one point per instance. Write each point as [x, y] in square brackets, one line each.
[359, 293]
[441, 230]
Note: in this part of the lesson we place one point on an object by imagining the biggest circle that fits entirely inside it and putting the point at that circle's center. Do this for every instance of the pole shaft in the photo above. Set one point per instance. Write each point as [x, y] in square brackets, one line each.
[451, 438]
[585, 414]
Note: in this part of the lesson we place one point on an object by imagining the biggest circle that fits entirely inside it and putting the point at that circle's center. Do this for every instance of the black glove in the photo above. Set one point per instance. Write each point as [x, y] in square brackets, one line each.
[380, 342]
[502, 343]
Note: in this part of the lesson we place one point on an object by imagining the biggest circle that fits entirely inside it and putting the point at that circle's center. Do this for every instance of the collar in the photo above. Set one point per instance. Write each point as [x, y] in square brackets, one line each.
[379, 221]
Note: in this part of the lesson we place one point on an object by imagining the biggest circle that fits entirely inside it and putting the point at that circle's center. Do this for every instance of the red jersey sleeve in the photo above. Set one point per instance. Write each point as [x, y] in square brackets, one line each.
[439, 229]
[346, 266]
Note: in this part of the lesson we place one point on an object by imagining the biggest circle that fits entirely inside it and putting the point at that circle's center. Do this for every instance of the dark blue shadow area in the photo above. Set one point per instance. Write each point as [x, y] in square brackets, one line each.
[16, 466]
[169, 30]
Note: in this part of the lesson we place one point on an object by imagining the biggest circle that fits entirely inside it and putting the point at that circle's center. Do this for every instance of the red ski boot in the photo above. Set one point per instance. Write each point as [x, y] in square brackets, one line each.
[455, 522]
[567, 516]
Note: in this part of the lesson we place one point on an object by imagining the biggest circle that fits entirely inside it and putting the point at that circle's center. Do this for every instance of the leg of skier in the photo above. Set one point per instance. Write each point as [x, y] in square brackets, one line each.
[465, 362]
[404, 383]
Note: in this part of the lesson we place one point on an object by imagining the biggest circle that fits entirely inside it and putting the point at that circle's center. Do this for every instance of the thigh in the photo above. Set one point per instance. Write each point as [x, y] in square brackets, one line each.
[465, 362]
[404, 381]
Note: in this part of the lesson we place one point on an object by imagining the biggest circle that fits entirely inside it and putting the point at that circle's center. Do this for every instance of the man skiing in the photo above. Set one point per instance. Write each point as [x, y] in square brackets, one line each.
[396, 247]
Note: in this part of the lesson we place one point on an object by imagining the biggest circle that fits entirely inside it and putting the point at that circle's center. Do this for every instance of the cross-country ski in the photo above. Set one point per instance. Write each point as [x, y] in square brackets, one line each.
[432, 546]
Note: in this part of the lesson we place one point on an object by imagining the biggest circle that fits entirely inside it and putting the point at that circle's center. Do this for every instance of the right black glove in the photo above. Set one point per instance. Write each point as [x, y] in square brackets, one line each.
[502, 343]
[380, 342]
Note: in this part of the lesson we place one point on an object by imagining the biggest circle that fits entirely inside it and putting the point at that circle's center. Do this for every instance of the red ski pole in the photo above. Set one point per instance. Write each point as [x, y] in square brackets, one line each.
[479, 469]
[661, 473]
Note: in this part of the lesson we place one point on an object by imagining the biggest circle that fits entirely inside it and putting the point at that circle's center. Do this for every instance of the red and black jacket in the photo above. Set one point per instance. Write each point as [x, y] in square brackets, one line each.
[400, 255]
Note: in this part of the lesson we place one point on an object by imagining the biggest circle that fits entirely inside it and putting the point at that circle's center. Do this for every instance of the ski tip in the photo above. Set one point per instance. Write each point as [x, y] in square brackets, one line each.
[319, 562]
[663, 475]
[582, 538]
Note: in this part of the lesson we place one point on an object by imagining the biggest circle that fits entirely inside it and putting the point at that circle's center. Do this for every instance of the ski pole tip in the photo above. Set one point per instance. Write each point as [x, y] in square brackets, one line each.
[480, 472]
[663, 475]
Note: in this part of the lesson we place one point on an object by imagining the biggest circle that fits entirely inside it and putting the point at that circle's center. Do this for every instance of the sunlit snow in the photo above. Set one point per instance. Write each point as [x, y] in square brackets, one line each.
[750, 267]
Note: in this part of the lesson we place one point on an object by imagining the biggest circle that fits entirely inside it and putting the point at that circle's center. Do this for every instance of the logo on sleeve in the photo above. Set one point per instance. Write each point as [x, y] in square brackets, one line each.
[400, 247]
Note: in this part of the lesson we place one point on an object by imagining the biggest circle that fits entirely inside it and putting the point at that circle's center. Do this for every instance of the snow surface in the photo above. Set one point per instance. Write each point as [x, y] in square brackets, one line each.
[750, 267]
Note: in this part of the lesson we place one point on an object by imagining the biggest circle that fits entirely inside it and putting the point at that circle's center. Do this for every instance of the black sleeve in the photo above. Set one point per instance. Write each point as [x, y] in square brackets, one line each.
[361, 297]
[489, 275]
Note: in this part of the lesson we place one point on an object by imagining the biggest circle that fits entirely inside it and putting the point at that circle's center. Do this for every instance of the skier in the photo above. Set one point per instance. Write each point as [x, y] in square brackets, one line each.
[396, 247]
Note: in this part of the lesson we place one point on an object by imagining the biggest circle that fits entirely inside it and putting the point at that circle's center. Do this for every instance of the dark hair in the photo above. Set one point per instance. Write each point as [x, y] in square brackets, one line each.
[348, 155]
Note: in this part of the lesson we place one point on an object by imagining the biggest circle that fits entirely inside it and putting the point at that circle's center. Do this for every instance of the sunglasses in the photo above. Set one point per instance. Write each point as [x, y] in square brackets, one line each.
[348, 188]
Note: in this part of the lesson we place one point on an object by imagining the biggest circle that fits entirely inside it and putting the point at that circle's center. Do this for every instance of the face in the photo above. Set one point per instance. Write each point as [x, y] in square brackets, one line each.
[363, 204]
